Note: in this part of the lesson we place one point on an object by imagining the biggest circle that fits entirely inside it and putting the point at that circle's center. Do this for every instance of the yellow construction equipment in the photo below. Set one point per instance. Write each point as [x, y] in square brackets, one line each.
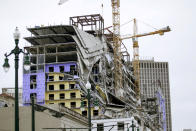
[117, 46]
[136, 51]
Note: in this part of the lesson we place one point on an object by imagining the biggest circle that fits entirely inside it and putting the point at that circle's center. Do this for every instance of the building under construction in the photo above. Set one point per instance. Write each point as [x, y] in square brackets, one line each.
[64, 57]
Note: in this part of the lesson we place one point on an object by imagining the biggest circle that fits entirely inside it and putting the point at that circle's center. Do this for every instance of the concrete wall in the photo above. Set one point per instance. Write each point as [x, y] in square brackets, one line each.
[42, 120]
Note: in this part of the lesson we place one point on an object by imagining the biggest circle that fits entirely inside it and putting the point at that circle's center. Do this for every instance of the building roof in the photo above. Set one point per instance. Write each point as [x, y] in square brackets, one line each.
[56, 29]
[6, 96]
[50, 39]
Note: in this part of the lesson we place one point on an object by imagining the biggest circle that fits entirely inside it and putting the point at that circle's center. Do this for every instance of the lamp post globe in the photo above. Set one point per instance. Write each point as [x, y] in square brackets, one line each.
[96, 107]
[82, 109]
[88, 85]
[26, 67]
[16, 34]
[6, 65]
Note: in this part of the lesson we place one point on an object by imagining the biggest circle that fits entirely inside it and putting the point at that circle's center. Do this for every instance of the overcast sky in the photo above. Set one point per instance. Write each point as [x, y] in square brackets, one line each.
[176, 47]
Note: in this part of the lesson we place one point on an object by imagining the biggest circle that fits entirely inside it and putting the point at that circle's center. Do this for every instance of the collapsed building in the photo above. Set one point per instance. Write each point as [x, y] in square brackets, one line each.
[64, 57]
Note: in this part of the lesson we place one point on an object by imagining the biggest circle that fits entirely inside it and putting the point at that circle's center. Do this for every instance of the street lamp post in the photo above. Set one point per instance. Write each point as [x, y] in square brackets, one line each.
[132, 126]
[16, 51]
[33, 113]
[88, 87]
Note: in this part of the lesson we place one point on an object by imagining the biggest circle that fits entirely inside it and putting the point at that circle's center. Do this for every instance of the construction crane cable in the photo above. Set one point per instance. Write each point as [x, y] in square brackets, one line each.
[146, 24]
[126, 23]
[120, 25]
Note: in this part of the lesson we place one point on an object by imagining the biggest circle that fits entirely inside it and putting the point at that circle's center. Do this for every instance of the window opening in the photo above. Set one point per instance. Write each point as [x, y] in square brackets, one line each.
[51, 49]
[62, 104]
[51, 96]
[71, 86]
[73, 95]
[85, 104]
[33, 78]
[40, 68]
[84, 113]
[72, 69]
[95, 69]
[51, 87]
[33, 86]
[95, 112]
[33, 69]
[51, 78]
[41, 50]
[96, 79]
[33, 95]
[73, 104]
[120, 126]
[61, 68]
[33, 60]
[62, 86]
[100, 127]
[50, 58]
[51, 69]
[62, 96]
[60, 78]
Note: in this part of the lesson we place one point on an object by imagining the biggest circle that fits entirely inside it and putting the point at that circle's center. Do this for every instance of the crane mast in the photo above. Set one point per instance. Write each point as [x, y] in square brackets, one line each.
[117, 45]
[136, 59]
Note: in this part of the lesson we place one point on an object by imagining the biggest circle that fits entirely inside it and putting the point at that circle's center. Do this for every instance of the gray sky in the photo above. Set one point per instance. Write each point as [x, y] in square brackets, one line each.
[176, 47]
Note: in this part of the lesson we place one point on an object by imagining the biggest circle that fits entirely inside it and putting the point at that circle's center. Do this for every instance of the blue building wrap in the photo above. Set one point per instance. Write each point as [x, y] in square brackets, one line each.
[162, 112]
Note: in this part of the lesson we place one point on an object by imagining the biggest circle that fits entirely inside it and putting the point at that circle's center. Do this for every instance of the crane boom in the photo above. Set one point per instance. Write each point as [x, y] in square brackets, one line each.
[161, 32]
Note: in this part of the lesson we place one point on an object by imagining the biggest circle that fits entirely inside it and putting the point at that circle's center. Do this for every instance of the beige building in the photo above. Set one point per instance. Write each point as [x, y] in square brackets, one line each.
[6, 100]
[45, 117]
[11, 91]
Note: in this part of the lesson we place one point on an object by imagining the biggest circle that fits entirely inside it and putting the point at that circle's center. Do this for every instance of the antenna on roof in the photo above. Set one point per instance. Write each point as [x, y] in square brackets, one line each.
[102, 9]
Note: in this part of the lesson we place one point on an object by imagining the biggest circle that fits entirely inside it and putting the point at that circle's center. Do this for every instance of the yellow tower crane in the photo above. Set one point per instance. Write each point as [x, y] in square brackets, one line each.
[117, 46]
[135, 37]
